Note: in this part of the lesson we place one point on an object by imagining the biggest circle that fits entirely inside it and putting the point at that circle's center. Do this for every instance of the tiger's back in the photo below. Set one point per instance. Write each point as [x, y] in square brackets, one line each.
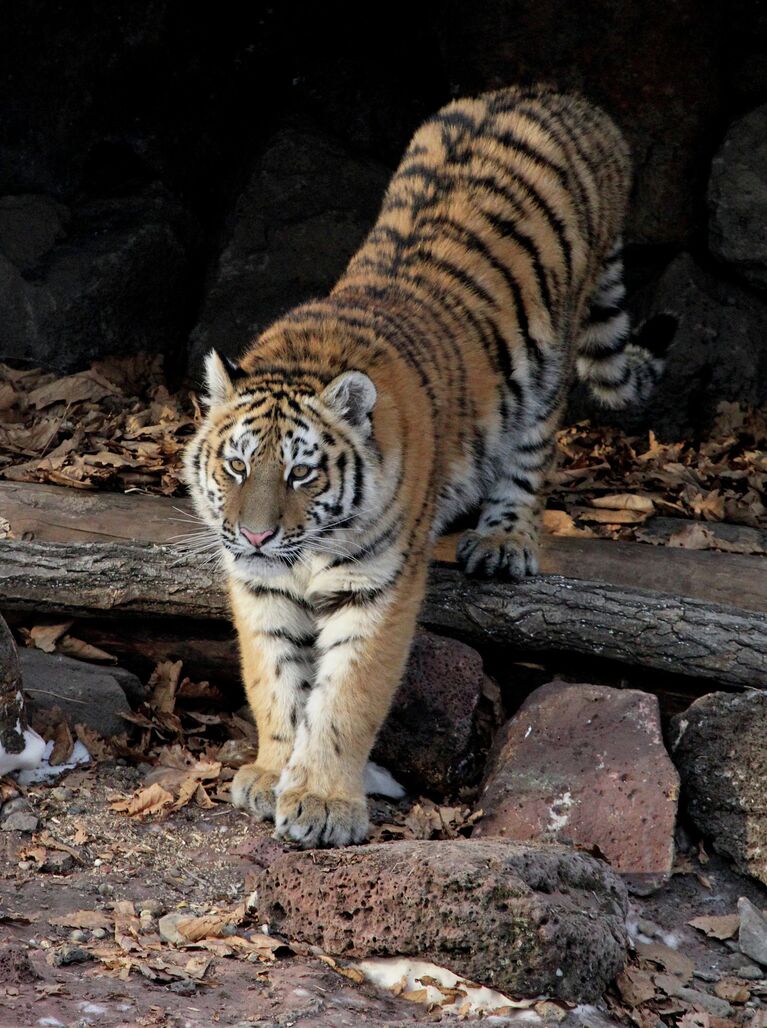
[431, 380]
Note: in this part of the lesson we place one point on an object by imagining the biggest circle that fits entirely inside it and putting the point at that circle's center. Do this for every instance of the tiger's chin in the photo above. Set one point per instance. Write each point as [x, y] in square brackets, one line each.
[256, 567]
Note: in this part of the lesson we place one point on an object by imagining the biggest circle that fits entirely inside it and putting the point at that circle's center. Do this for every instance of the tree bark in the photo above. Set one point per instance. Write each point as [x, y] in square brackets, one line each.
[20, 746]
[619, 620]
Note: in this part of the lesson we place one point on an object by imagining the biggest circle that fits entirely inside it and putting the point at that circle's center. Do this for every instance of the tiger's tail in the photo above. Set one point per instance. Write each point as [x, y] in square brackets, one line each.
[621, 365]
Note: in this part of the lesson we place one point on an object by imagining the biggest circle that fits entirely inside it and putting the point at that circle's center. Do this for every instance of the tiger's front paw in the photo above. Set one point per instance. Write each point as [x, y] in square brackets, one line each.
[505, 555]
[253, 790]
[311, 821]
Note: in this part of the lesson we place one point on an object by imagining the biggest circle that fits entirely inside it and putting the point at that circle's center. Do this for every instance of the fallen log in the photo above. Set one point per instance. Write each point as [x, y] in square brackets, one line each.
[623, 621]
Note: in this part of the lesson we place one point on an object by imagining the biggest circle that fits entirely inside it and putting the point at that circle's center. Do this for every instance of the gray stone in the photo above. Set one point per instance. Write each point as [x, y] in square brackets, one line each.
[303, 213]
[20, 821]
[69, 955]
[431, 739]
[586, 764]
[116, 282]
[84, 692]
[524, 919]
[719, 749]
[752, 934]
[737, 198]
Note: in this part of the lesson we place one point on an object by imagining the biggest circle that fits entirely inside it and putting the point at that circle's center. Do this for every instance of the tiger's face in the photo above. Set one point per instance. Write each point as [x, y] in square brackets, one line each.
[279, 468]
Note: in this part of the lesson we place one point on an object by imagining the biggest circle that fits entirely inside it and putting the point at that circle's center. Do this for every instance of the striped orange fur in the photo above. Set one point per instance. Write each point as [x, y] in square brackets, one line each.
[430, 381]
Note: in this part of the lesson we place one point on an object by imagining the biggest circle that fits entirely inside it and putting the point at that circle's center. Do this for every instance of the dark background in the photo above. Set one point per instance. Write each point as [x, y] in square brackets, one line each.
[173, 176]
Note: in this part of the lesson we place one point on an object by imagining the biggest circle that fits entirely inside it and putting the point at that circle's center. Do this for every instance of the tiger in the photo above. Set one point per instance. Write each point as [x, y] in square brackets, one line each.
[430, 382]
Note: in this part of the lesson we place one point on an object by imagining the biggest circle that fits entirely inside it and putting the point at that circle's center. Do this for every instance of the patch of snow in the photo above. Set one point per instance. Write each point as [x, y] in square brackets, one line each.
[29, 757]
[529, 730]
[404, 974]
[379, 782]
[50, 1022]
[670, 939]
[92, 1008]
[558, 819]
[48, 772]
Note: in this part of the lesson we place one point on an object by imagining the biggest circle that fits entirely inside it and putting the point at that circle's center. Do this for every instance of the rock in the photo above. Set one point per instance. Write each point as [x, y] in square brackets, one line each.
[20, 821]
[30, 226]
[718, 747]
[586, 764]
[85, 693]
[69, 955]
[154, 907]
[106, 277]
[752, 936]
[303, 213]
[58, 862]
[523, 919]
[737, 199]
[168, 930]
[430, 739]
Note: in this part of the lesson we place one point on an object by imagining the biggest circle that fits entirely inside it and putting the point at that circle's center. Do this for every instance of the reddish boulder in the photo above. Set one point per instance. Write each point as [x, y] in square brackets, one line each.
[524, 919]
[432, 740]
[586, 764]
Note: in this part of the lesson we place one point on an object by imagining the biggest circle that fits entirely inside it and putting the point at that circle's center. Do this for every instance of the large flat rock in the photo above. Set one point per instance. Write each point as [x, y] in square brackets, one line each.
[719, 747]
[586, 764]
[525, 919]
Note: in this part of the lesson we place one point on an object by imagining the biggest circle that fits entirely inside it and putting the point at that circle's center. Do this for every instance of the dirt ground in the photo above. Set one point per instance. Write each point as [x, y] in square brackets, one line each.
[89, 865]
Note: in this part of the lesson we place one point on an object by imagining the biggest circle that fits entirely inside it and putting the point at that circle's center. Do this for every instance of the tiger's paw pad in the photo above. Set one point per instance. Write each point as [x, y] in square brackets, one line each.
[507, 557]
[253, 790]
[310, 821]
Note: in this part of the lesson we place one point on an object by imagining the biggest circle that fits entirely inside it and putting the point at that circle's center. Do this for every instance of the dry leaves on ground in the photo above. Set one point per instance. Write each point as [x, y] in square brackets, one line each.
[114, 426]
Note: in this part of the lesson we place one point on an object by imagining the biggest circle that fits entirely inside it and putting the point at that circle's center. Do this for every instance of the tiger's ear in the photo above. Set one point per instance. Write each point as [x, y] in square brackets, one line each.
[352, 395]
[220, 373]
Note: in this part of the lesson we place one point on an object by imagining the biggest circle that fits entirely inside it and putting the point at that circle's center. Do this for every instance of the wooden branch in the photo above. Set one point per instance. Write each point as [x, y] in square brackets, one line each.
[625, 622]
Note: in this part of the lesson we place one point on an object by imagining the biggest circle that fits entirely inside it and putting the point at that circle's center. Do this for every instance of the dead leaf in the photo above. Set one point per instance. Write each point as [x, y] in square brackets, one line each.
[127, 927]
[63, 743]
[152, 799]
[164, 683]
[670, 960]
[610, 517]
[635, 986]
[560, 523]
[45, 637]
[82, 919]
[86, 385]
[723, 927]
[72, 647]
[625, 501]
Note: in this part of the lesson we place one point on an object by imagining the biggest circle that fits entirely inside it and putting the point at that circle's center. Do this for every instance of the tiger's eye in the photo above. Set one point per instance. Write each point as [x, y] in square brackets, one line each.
[299, 471]
[239, 467]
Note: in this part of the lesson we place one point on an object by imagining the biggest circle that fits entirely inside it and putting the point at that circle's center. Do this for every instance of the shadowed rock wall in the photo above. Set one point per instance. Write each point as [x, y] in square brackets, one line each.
[172, 179]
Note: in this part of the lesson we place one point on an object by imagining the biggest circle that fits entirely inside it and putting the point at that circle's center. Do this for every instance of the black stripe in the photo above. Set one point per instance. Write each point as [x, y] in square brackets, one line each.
[331, 603]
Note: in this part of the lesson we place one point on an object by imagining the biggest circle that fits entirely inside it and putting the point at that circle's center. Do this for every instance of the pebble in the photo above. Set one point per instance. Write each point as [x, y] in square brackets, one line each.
[25, 865]
[711, 1004]
[58, 863]
[185, 987]
[69, 955]
[649, 928]
[154, 907]
[78, 935]
[750, 972]
[62, 793]
[105, 889]
[99, 933]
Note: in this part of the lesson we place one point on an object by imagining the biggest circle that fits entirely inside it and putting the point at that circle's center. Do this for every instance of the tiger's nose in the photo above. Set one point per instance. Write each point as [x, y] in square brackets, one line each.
[257, 538]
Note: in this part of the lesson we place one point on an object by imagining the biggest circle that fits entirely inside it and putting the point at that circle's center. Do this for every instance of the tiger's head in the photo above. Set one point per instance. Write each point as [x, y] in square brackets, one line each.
[282, 463]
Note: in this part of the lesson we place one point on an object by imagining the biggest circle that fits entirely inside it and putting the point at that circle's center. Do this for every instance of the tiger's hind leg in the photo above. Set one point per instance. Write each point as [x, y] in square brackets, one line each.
[618, 366]
[505, 542]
